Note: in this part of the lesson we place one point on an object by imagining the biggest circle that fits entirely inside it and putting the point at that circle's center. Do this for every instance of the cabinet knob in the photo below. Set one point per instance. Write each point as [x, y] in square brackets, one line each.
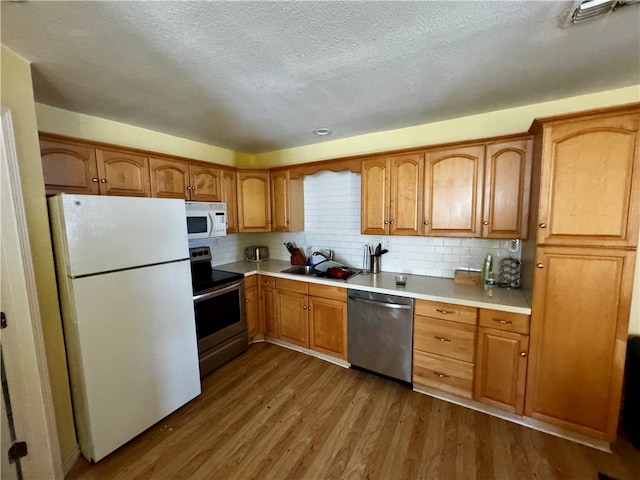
[246, 300]
[304, 307]
[426, 222]
[386, 223]
[94, 180]
[309, 308]
[486, 222]
[523, 354]
[543, 225]
[188, 188]
[391, 222]
[103, 180]
[540, 265]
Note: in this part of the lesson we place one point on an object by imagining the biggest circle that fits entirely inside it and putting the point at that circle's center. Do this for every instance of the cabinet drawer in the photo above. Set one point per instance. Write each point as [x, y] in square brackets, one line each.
[446, 311]
[510, 322]
[328, 291]
[446, 374]
[267, 282]
[449, 339]
[251, 281]
[292, 285]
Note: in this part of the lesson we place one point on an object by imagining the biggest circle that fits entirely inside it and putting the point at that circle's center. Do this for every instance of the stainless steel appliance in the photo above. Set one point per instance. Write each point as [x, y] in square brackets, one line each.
[256, 253]
[380, 333]
[221, 325]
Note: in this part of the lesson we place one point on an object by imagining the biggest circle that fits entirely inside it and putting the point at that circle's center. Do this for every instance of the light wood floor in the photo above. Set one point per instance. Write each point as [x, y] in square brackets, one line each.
[273, 413]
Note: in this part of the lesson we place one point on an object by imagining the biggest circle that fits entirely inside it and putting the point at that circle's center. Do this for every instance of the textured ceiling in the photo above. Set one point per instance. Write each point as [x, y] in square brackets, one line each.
[260, 76]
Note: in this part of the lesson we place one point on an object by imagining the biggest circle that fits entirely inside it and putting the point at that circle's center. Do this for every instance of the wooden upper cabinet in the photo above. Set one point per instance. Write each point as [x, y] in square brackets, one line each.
[169, 178]
[579, 325]
[589, 189]
[507, 189]
[405, 201]
[230, 197]
[205, 183]
[123, 173]
[453, 192]
[392, 195]
[69, 167]
[374, 207]
[287, 202]
[254, 192]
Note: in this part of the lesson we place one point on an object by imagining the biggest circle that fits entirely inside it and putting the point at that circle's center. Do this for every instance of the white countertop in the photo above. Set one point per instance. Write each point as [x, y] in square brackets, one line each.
[418, 286]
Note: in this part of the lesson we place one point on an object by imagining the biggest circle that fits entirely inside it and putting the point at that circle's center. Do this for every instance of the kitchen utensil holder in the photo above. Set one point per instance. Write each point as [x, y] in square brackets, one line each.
[375, 264]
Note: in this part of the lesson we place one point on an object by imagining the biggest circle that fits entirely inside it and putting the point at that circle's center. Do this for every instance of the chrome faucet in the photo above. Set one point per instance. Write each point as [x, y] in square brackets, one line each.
[329, 255]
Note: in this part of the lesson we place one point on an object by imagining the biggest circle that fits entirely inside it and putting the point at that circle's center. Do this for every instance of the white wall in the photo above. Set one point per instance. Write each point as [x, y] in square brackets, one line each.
[332, 220]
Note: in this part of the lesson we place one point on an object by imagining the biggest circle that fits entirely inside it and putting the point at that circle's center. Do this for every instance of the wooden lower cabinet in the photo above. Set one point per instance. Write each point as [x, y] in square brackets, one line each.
[328, 326]
[268, 305]
[313, 316]
[252, 307]
[444, 346]
[500, 369]
[294, 320]
[579, 325]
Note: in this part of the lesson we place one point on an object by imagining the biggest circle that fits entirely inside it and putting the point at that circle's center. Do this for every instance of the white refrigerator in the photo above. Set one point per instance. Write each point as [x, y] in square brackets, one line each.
[125, 291]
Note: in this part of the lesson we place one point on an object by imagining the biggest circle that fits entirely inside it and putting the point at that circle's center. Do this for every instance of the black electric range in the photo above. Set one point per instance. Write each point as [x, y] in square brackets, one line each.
[203, 276]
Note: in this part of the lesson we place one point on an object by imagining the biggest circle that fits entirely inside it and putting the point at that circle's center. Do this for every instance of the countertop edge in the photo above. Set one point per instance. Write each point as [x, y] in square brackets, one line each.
[272, 268]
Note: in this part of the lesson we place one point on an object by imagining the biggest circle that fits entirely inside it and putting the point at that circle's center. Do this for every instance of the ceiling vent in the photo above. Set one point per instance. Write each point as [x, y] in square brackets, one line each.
[586, 10]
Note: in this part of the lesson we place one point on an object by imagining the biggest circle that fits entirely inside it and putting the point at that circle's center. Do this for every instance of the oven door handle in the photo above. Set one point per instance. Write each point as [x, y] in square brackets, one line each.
[215, 293]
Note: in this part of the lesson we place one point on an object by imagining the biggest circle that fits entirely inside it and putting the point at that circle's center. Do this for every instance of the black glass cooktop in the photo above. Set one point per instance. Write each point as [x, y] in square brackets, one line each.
[203, 276]
[217, 279]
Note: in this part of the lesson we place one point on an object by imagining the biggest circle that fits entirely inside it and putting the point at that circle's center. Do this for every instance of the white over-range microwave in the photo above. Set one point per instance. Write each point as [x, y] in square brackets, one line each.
[206, 219]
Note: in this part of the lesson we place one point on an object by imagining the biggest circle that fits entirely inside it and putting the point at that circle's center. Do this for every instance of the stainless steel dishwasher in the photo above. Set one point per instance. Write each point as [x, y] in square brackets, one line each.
[380, 333]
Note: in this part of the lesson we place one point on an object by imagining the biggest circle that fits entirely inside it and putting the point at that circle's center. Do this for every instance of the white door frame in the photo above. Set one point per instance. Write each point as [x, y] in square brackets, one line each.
[22, 340]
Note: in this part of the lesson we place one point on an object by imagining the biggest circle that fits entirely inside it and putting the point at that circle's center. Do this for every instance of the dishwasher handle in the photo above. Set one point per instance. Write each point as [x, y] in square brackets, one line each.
[380, 304]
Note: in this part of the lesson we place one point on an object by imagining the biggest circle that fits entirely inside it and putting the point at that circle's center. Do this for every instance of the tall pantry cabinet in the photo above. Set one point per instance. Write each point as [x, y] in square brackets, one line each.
[587, 233]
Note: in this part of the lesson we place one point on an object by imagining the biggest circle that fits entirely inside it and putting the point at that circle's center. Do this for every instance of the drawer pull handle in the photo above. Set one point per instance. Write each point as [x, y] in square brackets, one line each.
[442, 339]
[446, 312]
[503, 322]
[441, 375]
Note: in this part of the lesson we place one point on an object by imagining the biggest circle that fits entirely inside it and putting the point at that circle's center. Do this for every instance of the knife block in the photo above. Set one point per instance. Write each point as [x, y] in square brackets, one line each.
[298, 257]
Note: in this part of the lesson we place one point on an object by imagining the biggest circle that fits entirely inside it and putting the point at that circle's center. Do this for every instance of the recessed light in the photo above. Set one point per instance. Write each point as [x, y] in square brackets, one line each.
[322, 131]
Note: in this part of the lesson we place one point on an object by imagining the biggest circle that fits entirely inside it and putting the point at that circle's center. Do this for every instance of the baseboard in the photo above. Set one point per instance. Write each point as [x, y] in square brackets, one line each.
[520, 420]
[313, 353]
[71, 459]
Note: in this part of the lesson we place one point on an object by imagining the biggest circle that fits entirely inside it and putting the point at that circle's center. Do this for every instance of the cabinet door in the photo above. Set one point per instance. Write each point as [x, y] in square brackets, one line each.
[69, 167]
[293, 322]
[501, 368]
[579, 323]
[254, 191]
[229, 196]
[405, 205]
[280, 201]
[507, 189]
[453, 192]
[589, 191]
[205, 183]
[328, 326]
[123, 173]
[169, 178]
[268, 307]
[252, 311]
[374, 213]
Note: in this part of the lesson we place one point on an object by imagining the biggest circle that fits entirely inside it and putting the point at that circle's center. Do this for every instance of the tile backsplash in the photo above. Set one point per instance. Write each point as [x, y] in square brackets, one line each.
[332, 220]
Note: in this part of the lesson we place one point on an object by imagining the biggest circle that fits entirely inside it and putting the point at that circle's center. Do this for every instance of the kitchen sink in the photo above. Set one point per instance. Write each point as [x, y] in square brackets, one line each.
[301, 270]
[343, 273]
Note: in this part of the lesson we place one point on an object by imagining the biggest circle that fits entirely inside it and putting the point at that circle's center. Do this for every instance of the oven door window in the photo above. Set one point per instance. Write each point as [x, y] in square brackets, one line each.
[217, 313]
